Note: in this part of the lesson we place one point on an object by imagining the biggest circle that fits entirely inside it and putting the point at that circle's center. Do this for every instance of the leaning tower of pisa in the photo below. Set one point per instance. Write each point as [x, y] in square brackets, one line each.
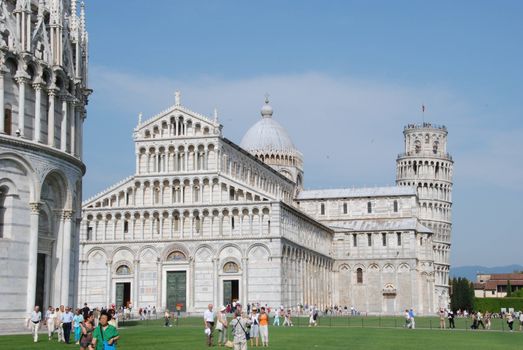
[427, 166]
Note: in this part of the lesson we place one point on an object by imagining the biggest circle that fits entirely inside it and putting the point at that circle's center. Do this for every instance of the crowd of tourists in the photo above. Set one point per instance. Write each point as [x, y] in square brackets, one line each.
[96, 329]
[479, 320]
[91, 329]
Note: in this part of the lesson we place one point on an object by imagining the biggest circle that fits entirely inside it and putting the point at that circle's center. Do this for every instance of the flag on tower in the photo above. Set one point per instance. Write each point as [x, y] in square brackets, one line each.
[423, 108]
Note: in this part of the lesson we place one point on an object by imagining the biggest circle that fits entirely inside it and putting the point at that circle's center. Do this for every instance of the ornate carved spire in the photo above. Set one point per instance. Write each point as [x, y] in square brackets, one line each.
[82, 22]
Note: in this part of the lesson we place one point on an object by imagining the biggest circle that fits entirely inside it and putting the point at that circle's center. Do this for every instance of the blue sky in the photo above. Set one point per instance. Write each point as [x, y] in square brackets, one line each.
[344, 78]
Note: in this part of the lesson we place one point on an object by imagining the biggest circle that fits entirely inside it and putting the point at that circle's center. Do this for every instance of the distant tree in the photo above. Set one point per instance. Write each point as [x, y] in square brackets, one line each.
[509, 289]
[462, 296]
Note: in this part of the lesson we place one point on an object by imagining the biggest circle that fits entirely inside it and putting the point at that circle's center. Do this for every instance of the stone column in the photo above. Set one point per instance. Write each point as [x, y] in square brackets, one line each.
[3, 70]
[136, 287]
[138, 163]
[50, 121]
[216, 280]
[66, 256]
[33, 255]
[108, 283]
[21, 78]
[245, 277]
[38, 111]
[159, 305]
[63, 127]
[73, 128]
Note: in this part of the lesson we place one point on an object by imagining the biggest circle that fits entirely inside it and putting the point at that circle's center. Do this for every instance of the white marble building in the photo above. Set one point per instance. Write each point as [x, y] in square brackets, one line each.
[204, 220]
[43, 94]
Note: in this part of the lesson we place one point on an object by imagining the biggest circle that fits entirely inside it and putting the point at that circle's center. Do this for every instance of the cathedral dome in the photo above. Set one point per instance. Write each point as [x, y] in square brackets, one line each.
[267, 134]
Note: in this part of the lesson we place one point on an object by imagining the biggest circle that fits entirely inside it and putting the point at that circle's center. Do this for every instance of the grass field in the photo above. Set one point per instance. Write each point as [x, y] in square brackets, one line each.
[189, 335]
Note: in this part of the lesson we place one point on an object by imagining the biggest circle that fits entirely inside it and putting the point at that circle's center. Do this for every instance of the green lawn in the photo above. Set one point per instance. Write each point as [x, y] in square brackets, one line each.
[189, 335]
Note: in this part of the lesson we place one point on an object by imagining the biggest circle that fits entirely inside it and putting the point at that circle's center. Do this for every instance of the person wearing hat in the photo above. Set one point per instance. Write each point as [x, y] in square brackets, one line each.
[221, 326]
[255, 326]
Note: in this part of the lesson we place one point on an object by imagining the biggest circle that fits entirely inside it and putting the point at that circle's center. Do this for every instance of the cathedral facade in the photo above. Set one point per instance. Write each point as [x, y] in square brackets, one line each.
[43, 94]
[205, 220]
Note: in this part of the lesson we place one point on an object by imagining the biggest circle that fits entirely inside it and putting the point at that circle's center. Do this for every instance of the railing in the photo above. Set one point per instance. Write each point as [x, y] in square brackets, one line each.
[337, 321]
[425, 126]
[424, 154]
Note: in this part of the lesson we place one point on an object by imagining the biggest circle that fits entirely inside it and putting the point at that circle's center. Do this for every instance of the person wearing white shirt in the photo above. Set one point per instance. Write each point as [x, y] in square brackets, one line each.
[34, 321]
[208, 320]
[50, 318]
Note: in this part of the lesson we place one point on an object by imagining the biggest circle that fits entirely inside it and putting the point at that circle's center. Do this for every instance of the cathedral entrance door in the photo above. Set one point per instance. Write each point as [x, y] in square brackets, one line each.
[123, 294]
[176, 290]
[231, 291]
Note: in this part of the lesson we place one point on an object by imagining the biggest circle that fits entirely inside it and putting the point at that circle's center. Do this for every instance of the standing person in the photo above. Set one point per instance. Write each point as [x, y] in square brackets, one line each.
[87, 328]
[167, 317]
[521, 320]
[288, 321]
[407, 318]
[264, 327]
[58, 323]
[510, 321]
[488, 317]
[221, 326]
[50, 319]
[104, 333]
[276, 317]
[239, 330]
[412, 322]
[441, 318]
[85, 311]
[67, 319]
[479, 316]
[451, 319]
[208, 320]
[96, 316]
[255, 326]
[77, 320]
[34, 321]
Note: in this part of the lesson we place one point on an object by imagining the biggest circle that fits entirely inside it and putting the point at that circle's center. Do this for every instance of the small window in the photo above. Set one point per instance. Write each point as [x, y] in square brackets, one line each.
[369, 207]
[125, 226]
[89, 233]
[344, 208]
[421, 241]
[354, 240]
[398, 235]
[232, 222]
[322, 209]
[369, 239]
[359, 275]
[384, 239]
[8, 121]
[395, 206]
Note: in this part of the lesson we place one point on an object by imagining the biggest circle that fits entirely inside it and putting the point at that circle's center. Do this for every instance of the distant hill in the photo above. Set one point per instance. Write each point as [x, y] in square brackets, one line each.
[470, 272]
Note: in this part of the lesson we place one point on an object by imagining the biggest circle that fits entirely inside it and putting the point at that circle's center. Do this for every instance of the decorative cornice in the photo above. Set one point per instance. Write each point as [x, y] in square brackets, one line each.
[35, 207]
[39, 147]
